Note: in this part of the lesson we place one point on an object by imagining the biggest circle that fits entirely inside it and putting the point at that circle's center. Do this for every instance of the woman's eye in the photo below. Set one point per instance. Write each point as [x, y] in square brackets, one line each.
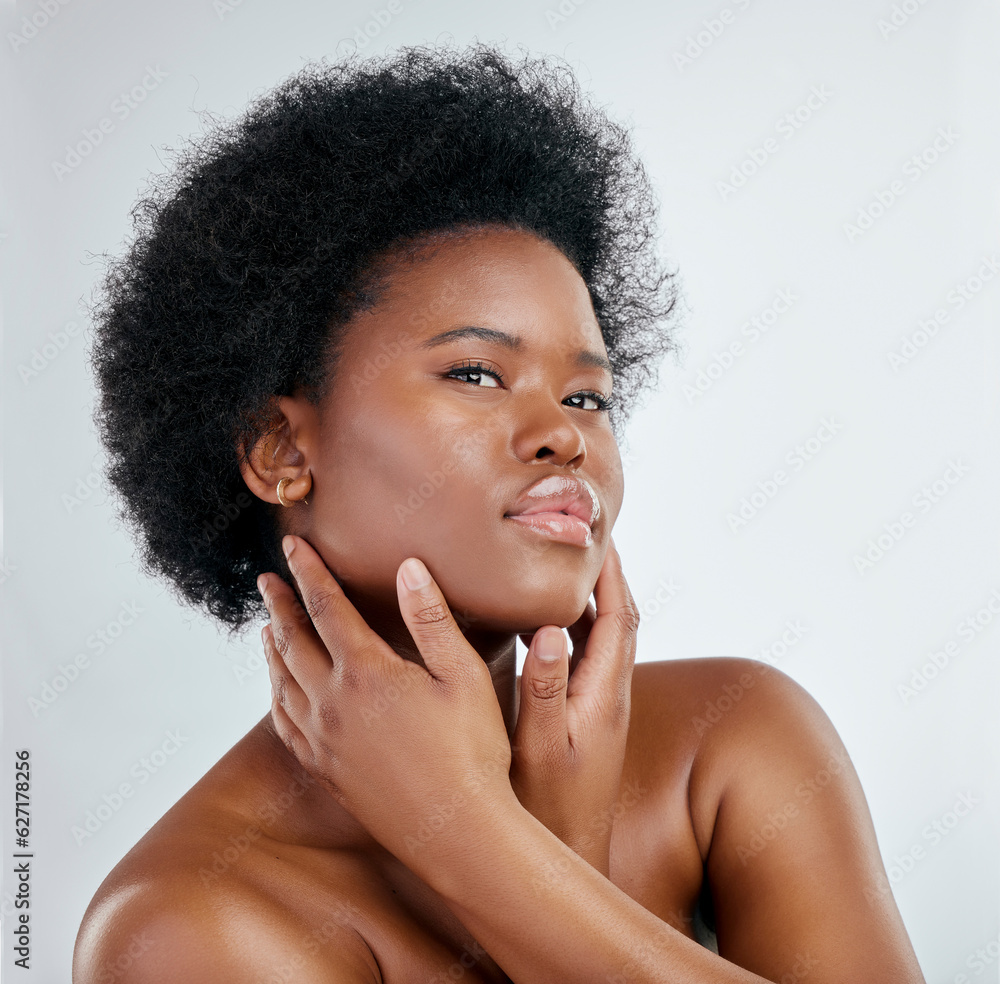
[592, 398]
[478, 370]
[480, 373]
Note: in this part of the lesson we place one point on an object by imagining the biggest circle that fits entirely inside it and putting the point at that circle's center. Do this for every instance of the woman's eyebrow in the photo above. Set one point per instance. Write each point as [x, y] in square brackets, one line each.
[584, 357]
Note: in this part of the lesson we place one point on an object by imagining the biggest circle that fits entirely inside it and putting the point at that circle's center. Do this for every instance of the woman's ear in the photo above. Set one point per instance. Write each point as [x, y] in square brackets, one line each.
[286, 449]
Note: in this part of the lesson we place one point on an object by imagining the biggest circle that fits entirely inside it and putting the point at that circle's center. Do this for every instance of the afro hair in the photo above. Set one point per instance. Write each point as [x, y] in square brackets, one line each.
[249, 259]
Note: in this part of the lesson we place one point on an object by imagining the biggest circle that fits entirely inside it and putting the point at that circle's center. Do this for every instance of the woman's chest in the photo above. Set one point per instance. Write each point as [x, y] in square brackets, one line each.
[411, 932]
[416, 938]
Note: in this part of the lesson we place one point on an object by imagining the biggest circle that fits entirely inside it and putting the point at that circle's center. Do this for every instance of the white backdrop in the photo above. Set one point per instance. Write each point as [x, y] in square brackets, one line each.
[823, 453]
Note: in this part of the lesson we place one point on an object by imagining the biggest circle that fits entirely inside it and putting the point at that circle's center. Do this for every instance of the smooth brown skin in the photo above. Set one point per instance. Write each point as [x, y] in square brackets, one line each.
[303, 891]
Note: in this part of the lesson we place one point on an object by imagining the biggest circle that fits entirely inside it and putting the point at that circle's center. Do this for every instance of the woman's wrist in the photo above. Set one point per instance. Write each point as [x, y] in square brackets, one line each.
[439, 846]
[446, 841]
[593, 845]
[517, 888]
[487, 844]
[595, 850]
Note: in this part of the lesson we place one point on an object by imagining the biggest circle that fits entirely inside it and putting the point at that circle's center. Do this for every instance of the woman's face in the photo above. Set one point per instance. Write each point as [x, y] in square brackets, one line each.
[413, 458]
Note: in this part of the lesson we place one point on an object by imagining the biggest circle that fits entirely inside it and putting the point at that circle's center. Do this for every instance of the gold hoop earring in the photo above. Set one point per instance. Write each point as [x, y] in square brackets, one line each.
[282, 485]
[281, 492]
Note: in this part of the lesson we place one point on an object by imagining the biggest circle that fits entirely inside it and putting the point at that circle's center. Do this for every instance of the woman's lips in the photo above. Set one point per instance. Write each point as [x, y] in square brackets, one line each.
[557, 526]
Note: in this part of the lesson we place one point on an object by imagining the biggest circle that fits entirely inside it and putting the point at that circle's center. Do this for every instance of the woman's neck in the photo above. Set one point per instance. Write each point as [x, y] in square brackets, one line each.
[295, 808]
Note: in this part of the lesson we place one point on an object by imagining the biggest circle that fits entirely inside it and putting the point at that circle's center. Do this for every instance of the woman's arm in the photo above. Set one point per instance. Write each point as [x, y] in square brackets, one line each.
[800, 891]
[794, 865]
[542, 912]
[548, 917]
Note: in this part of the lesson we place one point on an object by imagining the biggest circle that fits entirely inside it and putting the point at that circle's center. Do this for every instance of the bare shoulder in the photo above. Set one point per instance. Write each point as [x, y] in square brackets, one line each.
[791, 856]
[149, 924]
[709, 713]
[717, 703]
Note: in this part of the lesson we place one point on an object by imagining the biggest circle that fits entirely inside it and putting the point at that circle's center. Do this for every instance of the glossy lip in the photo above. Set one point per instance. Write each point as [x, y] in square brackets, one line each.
[545, 505]
[557, 526]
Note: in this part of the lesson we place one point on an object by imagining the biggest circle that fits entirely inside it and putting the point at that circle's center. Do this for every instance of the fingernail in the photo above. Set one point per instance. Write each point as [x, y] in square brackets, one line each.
[265, 634]
[287, 545]
[261, 584]
[549, 647]
[415, 575]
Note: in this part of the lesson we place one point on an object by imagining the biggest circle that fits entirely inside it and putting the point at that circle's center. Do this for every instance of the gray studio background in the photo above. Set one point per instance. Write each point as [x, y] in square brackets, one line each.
[860, 229]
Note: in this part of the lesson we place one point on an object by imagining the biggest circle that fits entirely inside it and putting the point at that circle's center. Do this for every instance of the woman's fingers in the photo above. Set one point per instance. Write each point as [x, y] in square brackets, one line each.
[444, 648]
[333, 631]
[579, 633]
[606, 667]
[293, 636]
[572, 728]
[286, 691]
[288, 731]
[344, 637]
[541, 714]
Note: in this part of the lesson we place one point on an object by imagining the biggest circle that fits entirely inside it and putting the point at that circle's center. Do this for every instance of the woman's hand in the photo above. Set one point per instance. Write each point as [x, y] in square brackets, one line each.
[573, 718]
[403, 748]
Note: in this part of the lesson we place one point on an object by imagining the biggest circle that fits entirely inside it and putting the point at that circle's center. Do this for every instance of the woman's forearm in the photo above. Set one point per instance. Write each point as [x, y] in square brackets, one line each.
[548, 917]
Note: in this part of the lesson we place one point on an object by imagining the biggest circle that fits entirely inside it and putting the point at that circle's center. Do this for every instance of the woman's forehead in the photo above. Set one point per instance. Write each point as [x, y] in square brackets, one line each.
[508, 283]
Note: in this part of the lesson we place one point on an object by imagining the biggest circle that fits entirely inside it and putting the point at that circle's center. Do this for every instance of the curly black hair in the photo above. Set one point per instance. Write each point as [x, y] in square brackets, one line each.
[249, 259]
